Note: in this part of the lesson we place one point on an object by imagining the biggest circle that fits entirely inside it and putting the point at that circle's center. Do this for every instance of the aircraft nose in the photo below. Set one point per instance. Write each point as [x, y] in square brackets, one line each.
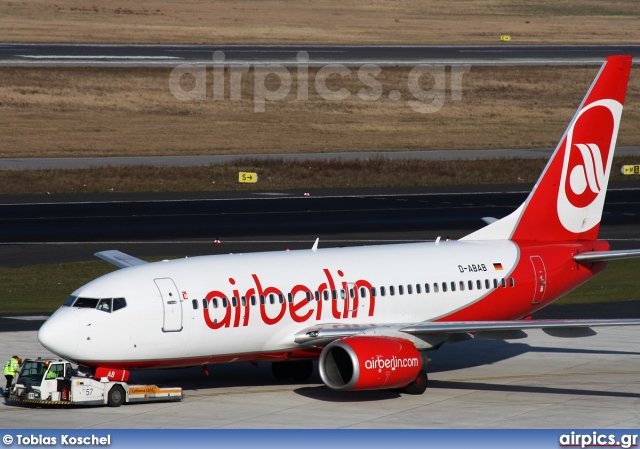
[60, 333]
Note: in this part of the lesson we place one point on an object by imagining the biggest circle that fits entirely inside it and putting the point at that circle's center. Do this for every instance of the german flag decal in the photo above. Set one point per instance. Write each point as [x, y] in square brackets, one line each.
[497, 266]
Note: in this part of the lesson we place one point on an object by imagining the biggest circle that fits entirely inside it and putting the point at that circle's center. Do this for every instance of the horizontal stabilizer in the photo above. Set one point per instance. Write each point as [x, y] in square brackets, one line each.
[604, 256]
[119, 259]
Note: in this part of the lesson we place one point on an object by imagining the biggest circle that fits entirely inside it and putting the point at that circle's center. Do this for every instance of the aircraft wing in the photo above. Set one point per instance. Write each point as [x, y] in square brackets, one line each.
[119, 259]
[603, 256]
[324, 334]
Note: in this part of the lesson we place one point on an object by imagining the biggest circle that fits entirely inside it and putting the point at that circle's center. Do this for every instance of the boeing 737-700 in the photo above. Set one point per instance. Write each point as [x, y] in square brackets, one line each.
[369, 314]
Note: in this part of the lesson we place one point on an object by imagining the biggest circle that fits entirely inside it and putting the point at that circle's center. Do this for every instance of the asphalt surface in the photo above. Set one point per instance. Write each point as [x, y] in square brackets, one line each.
[17, 54]
[204, 160]
[537, 382]
[63, 228]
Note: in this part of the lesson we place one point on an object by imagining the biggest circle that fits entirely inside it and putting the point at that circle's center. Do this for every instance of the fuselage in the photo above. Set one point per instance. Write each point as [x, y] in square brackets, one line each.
[216, 309]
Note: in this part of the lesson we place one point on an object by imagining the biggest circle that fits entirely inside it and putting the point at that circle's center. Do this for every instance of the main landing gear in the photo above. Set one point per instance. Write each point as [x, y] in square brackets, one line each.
[419, 384]
[298, 371]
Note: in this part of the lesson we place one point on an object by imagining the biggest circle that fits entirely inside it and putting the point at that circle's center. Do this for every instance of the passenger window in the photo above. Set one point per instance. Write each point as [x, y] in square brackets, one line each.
[325, 294]
[272, 298]
[225, 302]
[205, 303]
[453, 286]
[479, 284]
[363, 292]
[495, 283]
[409, 289]
[461, 286]
[253, 300]
[194, 302]
[486, 284]
[290, 297]
[470, 285]
[334, 294]
[373, 292]
[383, 291]
[317, 295]
[436, 289]
[392, 290]
[352, 293]
[214, 302]
[426, 288]
[281, 297]
[504, 283]
[308, 295]
[418, 289]
[262, 299]
[105, 305]
[234, 301]
[243, 301]
[512, 282]
[400, 290]
[444, 287]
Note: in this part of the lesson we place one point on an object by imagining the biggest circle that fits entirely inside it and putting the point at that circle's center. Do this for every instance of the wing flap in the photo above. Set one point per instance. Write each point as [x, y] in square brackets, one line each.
[119, 259]
[324, 334]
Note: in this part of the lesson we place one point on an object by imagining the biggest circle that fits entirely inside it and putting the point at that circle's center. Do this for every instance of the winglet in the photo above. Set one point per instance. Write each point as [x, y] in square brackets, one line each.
[119, 259]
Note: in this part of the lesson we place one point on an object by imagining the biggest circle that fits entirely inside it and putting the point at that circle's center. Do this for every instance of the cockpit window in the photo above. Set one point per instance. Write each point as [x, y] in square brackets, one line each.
[86, 303]
[119, 303]
[105, 305]
[70, 301]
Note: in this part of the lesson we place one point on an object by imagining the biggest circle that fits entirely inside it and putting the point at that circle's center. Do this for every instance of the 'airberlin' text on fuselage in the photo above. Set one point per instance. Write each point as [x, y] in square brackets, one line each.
[329, 299]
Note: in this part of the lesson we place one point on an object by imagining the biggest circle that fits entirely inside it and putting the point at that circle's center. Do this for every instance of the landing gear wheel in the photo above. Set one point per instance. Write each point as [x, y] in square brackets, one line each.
[115, 397]
[419, 384]
[301, 371]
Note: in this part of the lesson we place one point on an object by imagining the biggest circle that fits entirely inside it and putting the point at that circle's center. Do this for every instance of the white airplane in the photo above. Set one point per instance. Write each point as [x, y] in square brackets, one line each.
[368, 313]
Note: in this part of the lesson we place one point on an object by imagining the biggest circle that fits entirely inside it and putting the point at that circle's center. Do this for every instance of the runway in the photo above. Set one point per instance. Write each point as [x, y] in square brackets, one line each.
[64, 228]
[537, 382]
[127, 55]
[203, 160]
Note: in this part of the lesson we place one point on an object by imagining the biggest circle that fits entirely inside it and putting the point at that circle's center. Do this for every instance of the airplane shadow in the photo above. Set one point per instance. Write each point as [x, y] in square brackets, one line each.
[510, 388]
[479, 352]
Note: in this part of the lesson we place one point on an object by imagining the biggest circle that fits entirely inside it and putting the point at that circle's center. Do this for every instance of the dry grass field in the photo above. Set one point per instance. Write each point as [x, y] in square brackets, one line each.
[56, 112]
[320, 21]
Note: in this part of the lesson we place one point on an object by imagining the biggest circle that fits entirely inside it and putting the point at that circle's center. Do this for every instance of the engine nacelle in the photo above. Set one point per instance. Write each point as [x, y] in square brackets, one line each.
[369, 363]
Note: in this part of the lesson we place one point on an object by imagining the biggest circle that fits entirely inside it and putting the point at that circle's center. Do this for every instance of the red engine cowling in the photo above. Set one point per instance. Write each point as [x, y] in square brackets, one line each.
[369, 363]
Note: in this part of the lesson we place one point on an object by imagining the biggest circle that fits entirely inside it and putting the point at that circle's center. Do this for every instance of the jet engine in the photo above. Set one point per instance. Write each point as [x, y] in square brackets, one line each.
[369, 363]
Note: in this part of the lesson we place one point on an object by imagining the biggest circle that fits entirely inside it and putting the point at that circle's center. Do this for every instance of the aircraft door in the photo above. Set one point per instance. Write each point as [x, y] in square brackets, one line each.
[540, 279]
[171, 305]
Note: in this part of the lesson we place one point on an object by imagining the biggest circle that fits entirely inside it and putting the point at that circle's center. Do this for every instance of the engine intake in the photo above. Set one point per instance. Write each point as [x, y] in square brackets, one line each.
[369, 363]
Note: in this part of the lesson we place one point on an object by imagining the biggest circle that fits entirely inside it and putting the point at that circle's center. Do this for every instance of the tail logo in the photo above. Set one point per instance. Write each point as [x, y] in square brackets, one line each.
[589, 145]
[586, 178]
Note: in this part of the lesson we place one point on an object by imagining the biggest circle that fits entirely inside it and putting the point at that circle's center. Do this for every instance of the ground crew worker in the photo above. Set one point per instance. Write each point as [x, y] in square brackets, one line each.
[10, 371]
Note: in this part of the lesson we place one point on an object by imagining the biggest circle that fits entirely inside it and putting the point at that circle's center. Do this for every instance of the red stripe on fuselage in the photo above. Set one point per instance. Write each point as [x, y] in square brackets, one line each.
[563, 274]
[306, 354]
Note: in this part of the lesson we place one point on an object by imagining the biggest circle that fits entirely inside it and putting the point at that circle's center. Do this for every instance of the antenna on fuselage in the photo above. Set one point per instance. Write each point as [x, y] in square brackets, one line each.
[314, 248]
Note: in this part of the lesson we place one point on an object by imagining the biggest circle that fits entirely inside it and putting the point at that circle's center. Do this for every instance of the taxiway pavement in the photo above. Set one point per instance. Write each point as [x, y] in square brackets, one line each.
[537, 382]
